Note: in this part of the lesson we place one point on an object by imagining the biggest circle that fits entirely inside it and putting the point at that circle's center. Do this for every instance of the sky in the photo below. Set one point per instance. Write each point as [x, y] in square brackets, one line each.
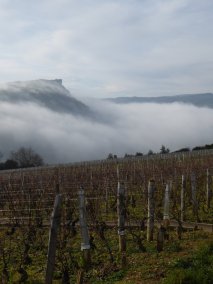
[109, 48]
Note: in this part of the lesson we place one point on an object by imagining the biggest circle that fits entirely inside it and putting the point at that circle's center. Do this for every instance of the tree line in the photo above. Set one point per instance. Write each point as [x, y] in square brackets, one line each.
[22, 158]
[163, 150]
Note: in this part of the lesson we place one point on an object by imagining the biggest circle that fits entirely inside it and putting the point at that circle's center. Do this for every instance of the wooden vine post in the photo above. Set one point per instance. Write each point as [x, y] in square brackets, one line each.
[121, 221]
[151, 210]
[166, 219]
[160, 238]
[194, 195]
[106, 199]
[55, 224]
[182, 205]
[208, 188]
[85, 245]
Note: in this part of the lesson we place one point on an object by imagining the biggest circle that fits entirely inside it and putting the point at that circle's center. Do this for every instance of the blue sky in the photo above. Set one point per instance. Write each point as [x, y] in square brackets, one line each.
[105, 48]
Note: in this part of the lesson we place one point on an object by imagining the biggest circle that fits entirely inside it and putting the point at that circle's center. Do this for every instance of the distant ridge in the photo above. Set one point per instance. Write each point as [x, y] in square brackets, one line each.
[50, 94]
[199, 100]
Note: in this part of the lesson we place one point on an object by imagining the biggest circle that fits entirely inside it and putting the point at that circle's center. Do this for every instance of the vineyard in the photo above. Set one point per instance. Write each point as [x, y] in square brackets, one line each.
[84, 222]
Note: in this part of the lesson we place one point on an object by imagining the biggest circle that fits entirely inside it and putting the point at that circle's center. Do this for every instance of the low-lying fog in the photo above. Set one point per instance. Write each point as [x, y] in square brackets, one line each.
[61, 137]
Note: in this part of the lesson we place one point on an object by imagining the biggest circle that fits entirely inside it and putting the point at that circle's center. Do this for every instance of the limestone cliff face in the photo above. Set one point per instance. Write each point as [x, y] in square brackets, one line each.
[59, 81]
[50, 94]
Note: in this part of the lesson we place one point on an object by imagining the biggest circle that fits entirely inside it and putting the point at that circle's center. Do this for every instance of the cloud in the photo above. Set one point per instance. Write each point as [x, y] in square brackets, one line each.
[60, 137]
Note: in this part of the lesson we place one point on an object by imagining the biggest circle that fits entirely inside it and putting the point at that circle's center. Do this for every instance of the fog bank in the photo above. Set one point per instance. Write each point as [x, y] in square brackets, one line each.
[63, 137]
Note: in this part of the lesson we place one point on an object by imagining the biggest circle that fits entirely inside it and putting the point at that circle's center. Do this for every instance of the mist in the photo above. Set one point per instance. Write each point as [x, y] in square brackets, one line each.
[62, 137]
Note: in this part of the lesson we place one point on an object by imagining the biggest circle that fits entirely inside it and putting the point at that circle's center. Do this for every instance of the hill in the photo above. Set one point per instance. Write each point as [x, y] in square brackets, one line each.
[198, 100]
[50, 94]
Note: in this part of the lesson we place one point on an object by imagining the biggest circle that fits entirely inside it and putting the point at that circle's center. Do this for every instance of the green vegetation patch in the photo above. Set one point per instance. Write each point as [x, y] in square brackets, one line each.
[197, 269]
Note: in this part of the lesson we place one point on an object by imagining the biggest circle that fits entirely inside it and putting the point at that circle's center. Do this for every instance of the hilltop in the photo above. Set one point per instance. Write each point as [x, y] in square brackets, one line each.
[49, 94]
[198, 100]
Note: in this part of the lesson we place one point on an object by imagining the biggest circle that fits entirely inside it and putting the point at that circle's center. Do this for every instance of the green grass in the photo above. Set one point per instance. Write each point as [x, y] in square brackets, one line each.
[197, 269]
[174, 262]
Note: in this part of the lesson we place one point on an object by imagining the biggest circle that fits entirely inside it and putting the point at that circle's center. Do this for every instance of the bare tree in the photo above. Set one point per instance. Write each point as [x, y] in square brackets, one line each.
[164, 150]
[26, 157]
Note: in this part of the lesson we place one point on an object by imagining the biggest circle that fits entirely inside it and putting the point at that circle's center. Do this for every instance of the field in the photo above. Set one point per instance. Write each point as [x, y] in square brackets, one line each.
[104, 221]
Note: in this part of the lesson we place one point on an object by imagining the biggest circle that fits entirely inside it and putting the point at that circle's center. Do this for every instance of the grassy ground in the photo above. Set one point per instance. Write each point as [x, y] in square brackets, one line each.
[153, 267]
[176, 260]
